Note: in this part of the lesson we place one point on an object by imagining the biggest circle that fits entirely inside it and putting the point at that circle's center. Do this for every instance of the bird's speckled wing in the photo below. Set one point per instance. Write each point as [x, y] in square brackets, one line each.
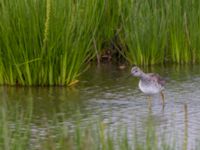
[157, 78]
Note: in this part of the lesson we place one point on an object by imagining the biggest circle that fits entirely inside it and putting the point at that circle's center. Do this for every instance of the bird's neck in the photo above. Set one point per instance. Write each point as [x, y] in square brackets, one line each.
[144, 76]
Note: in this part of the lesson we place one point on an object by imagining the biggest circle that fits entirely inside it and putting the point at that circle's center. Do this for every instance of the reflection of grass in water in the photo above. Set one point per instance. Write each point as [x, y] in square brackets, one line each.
[16, 132]
[15, 126]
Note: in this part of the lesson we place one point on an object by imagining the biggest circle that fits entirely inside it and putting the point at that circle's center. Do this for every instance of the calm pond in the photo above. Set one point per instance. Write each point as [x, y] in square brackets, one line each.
[107, 94]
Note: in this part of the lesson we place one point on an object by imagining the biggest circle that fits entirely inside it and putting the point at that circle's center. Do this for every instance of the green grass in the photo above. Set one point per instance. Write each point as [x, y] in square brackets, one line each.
[158, 32]
[145, 32]
[46, 42]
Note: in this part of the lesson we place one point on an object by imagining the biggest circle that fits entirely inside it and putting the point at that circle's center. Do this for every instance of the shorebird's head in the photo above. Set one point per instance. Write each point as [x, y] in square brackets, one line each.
[135, 71]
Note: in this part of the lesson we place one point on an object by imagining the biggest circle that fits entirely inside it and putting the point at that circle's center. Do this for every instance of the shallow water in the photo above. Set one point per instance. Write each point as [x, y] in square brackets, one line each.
[105, 92]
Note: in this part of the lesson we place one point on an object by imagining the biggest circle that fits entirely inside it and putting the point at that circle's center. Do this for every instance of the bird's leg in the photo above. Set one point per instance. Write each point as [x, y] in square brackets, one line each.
[163, 98]
[149, 102]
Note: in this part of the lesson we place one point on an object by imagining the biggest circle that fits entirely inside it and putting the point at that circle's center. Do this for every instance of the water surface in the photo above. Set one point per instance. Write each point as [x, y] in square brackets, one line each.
[107, 94]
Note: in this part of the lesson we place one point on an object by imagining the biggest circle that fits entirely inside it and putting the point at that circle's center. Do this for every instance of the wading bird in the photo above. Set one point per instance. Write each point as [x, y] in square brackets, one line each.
[150, 83]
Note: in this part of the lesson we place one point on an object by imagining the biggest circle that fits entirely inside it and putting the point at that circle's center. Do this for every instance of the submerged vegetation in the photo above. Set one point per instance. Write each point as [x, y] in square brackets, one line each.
[46, 42]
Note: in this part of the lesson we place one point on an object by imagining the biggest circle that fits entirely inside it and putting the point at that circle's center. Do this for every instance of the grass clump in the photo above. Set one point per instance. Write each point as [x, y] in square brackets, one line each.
[46, 42]
[158, 32]
[144, 26]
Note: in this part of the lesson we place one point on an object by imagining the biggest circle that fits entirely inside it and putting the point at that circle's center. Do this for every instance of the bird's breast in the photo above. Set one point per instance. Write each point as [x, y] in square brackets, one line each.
[149, 87]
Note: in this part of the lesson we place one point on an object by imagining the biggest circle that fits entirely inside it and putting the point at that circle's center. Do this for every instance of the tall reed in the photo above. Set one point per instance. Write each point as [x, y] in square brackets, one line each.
[145, 31]
[108, 29]
[46, 42]
[161, 31]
